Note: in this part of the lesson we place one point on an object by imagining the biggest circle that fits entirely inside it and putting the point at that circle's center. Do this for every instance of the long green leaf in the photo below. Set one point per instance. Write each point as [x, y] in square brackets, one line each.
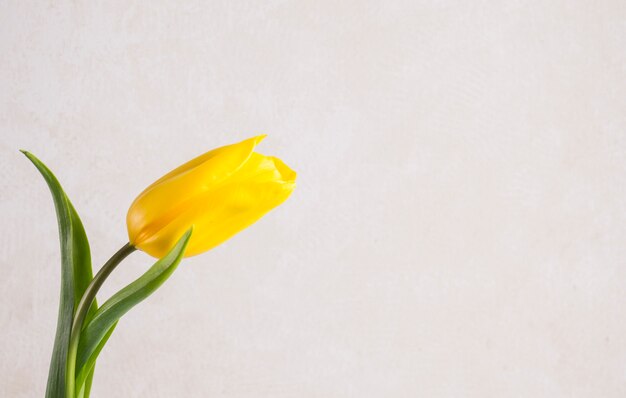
[85, 389]
[83, 380]
[76, 274]
[98, 329]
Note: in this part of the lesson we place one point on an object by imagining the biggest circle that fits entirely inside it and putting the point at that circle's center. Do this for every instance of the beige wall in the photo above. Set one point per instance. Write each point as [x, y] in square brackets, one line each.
[459, 228]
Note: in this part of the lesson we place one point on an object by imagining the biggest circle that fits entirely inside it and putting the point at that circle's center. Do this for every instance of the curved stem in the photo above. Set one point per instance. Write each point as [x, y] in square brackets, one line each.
[83, 309]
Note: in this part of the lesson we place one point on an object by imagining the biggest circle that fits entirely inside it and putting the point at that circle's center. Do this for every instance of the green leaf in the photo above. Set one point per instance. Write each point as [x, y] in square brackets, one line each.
[86, 389]
[98, 330]
[87, 377]
[83, 378]
[76, 274]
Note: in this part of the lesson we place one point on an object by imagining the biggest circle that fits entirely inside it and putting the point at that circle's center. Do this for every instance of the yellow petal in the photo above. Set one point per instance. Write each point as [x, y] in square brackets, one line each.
[217, 163]
[158, 204]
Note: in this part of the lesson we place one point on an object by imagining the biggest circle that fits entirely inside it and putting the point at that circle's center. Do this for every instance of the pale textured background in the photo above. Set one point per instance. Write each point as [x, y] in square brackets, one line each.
[459, 226]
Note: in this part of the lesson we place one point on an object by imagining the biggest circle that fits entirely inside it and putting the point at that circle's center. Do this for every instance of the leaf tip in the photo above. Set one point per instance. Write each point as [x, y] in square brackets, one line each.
[29, 155]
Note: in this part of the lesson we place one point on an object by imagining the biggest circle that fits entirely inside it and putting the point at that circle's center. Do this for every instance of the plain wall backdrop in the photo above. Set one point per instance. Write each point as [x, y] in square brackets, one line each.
[459, 225]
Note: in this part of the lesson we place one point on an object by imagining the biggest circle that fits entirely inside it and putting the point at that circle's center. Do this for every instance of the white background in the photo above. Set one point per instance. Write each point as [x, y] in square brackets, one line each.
[459, 225]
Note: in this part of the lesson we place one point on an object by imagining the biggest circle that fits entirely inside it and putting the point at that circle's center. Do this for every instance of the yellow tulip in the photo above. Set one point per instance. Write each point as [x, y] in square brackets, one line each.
[219, 193]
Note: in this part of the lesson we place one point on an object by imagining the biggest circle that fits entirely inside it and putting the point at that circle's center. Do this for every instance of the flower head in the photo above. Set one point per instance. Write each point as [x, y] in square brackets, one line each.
[219, 193]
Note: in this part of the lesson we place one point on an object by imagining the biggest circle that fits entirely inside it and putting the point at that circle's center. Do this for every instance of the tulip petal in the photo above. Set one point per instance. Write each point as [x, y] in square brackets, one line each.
[159, 204]
[217, 162]
[260, 185]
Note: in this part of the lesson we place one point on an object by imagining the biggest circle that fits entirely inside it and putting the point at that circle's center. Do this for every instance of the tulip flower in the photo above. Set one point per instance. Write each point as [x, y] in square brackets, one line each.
[218, 193]
[188, 211]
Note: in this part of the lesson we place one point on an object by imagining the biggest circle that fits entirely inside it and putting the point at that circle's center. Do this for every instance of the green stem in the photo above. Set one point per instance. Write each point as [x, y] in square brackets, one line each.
[81, 313]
